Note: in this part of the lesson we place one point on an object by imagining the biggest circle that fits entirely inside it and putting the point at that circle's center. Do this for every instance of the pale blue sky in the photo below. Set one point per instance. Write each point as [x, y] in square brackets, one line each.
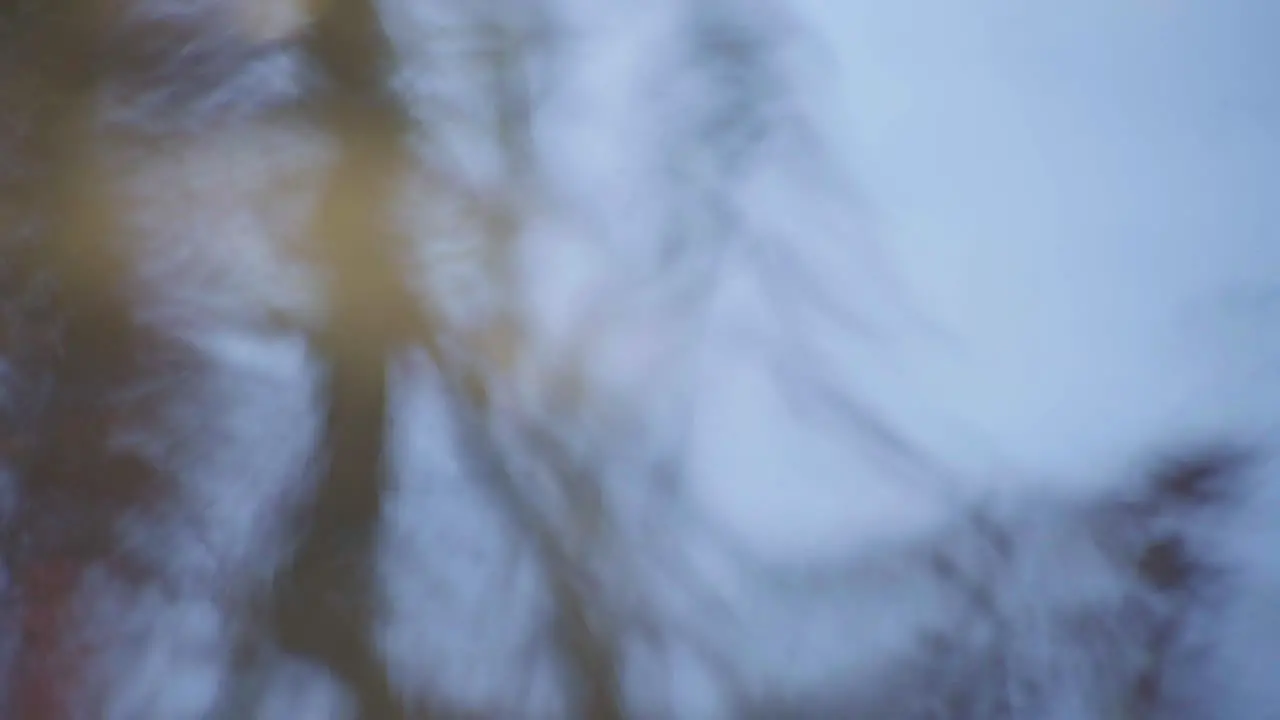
[1073, 189]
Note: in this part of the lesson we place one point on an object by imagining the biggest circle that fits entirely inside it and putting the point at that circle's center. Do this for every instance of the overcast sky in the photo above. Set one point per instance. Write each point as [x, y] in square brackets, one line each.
[1080, 197]
[1084, 194]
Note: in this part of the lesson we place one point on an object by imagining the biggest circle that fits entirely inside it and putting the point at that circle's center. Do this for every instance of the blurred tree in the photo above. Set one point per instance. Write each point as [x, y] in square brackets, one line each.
[447, 109]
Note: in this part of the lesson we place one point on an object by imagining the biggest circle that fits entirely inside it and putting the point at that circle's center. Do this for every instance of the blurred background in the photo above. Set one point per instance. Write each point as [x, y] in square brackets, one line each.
[685, 359]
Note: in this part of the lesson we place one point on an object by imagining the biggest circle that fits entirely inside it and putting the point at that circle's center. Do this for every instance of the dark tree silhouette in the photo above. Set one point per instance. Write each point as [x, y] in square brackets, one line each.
[324, 604]
[84, 353]
[78, 483]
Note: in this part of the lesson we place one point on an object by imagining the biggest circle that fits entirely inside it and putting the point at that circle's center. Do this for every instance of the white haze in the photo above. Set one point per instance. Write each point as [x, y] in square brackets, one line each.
[1058, 257]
